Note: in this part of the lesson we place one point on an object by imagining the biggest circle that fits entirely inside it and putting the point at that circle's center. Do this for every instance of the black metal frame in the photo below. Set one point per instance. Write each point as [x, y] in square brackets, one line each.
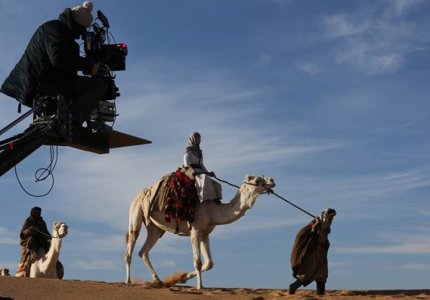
[51, 123]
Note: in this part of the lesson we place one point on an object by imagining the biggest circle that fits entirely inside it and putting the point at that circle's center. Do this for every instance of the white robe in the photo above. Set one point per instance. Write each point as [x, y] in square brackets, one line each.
[207, 188]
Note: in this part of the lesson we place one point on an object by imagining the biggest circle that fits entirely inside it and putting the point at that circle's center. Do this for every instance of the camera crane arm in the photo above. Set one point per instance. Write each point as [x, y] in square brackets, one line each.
[16, 148]
[19, 147]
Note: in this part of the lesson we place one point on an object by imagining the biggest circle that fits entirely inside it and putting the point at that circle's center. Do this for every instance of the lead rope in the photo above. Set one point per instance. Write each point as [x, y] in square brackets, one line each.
[231, 184]
[45, 234]
[291, 203]
[270, 191]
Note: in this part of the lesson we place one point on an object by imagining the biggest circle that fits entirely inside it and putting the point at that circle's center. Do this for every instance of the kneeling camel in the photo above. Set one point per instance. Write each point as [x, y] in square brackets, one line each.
[46, 264]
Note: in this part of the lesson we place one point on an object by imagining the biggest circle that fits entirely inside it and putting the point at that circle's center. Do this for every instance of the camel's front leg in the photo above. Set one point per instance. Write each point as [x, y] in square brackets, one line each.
[206, 252]
[195, 242]
[208, 262]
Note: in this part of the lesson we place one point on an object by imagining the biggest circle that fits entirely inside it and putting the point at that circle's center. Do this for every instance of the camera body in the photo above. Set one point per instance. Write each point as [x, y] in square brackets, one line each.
[111, 57]
[98, 47]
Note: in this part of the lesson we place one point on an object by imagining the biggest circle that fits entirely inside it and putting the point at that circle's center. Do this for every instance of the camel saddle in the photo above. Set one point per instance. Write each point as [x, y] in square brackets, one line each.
[176, 196]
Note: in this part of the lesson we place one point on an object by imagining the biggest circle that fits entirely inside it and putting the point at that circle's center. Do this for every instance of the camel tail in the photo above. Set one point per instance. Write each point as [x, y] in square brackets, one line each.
[127, 237]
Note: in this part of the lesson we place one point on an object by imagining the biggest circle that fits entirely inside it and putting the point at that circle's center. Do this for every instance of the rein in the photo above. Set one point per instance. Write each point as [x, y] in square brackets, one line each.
[269, 191]
[47, 235]
[231, 184]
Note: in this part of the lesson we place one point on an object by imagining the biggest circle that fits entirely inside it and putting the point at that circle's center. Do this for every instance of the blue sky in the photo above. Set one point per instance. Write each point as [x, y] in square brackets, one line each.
[330, 98]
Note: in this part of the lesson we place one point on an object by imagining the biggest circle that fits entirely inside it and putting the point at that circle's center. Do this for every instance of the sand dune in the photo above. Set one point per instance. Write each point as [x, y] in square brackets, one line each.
[47, 289]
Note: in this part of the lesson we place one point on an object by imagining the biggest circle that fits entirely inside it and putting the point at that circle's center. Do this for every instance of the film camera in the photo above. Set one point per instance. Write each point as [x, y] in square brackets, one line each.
[97, 46]
[111, 57]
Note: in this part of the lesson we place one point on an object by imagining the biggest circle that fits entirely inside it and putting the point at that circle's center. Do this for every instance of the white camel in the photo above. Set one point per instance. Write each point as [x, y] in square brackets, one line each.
[208, 214]
[46, 264]
[4, 272]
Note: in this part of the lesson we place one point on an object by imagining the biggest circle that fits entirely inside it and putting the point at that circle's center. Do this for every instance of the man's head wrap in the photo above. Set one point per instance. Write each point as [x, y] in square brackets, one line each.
[36, 212]
[328, 213]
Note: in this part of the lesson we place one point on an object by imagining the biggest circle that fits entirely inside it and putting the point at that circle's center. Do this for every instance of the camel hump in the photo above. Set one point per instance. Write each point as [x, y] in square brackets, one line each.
[160, 194]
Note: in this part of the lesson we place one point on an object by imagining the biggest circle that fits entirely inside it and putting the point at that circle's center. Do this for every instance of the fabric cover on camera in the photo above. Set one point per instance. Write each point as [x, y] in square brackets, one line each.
[82, 14]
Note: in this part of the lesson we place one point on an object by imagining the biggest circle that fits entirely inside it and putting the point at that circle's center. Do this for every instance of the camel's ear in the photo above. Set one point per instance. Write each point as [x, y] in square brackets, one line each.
[249, 178]
[57, 224]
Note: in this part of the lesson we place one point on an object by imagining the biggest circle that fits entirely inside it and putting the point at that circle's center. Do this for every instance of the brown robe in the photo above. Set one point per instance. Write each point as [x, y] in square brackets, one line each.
[34, 235]
[309, 253]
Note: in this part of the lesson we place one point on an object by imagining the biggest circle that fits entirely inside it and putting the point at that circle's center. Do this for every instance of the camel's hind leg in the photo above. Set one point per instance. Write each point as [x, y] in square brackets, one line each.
[134, 226]
[153, 234]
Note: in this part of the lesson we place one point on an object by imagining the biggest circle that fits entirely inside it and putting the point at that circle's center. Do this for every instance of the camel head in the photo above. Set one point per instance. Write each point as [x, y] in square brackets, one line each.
[59, 229]
[252, 187]
[261, 184]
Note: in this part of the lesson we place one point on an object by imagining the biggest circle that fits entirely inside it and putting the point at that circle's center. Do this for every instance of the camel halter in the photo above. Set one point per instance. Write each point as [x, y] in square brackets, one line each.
[47, 235]
[269, 191]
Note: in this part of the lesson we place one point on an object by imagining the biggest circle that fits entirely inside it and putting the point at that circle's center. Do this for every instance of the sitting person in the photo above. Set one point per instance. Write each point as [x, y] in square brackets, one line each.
[34, 235]
[50, 64]
[309, 255]
[207, 188]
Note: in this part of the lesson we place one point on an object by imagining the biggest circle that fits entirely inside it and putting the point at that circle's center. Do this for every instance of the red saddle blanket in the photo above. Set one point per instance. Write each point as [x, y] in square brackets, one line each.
[177, 197]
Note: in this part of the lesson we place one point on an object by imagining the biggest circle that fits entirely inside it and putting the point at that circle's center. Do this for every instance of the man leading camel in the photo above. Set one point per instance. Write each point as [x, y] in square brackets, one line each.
[309, 255]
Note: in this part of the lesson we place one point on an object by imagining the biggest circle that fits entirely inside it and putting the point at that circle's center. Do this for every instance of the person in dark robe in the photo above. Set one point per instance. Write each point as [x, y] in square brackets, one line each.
[51, 62]
[33, 235]
[309, 254]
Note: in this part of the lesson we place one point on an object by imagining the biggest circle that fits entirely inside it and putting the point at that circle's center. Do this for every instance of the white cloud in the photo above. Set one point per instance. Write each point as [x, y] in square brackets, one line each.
[248, 225]
[309, 68]
[401, 7]
[279, 2]
[425, 212]
[8, 237]
[370, 58]
[386, 185]
[415, 267]
[342, 25]
[393, 243]
[377, 41]
[96, 242]
[264, 59]
[386, 249]
[385, 63]
[11, 265]
[97, 264]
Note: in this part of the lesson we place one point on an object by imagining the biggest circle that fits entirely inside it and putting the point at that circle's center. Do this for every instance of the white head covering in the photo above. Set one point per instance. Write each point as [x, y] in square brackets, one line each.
[328, 214]
[192, 139]
[82, 14]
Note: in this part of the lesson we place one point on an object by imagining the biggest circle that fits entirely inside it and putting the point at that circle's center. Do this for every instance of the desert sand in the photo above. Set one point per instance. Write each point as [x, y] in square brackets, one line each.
[47, 289]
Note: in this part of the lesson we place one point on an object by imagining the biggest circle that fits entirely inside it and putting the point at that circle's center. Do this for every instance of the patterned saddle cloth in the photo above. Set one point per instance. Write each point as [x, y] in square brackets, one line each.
[176, 197]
